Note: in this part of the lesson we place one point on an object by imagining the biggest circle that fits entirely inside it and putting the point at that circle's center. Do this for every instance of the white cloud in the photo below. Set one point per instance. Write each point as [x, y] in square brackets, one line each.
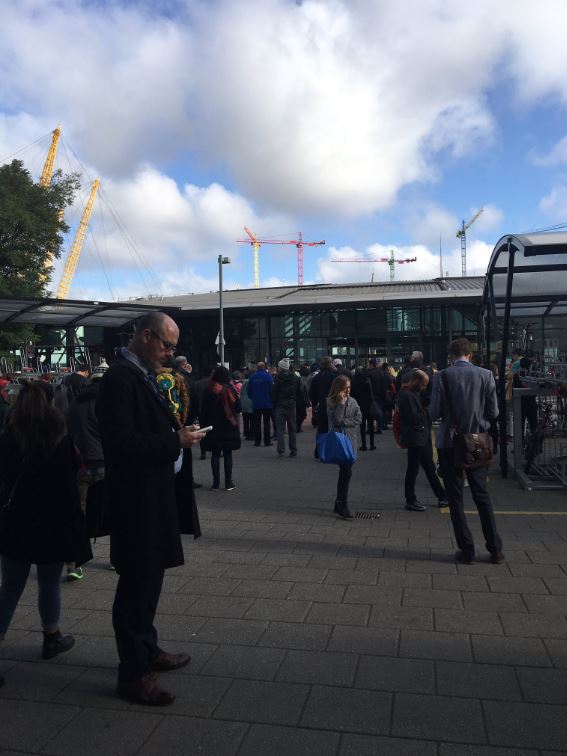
[556, 156]
[554, 204]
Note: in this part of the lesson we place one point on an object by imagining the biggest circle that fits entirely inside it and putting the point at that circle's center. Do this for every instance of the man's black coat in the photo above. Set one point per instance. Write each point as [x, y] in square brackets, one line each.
[140, 448]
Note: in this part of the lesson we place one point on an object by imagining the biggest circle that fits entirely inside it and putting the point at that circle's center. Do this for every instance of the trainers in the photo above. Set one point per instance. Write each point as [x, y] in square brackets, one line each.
[415, 506]
[55, 643]
[75, 573]
[498, 558]
[293, 454]
[443, 503]
[230, 486]
[214, 488]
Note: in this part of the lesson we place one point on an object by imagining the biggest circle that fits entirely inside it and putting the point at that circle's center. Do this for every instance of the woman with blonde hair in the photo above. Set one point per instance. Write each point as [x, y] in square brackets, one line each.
[344, 415]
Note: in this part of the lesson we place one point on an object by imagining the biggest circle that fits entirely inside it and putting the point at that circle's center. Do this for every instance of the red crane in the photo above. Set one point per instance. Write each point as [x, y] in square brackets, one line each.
[392, 261]
[299, 243]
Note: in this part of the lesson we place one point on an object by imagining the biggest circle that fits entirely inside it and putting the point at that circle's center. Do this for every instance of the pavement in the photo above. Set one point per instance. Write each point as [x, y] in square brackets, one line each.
[312, 635]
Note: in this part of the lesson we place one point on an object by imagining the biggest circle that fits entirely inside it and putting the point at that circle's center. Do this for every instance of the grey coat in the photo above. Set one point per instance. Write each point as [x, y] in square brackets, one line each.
[346, 417]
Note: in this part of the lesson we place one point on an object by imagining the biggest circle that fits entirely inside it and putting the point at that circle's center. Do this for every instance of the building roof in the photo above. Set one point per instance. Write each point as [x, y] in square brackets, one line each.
[325, 295]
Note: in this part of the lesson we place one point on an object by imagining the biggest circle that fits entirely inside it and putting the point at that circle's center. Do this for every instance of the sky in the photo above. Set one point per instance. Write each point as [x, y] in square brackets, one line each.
[373, 125]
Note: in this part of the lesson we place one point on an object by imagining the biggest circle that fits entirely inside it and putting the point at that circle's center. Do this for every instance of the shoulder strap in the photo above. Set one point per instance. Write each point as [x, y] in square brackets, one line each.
[449, 400]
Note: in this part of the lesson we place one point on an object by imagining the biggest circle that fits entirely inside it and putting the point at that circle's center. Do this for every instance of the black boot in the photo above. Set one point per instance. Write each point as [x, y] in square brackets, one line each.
[338, 506]
[344, 512]
[55, 643]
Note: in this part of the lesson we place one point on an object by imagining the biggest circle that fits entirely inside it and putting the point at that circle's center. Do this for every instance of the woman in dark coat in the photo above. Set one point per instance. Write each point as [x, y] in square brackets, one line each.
[219, 408]
[361, 390]
[41, 521]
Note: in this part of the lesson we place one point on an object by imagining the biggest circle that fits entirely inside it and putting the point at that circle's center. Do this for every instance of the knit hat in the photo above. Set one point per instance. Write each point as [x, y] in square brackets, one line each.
[337, 362]
[284, 364]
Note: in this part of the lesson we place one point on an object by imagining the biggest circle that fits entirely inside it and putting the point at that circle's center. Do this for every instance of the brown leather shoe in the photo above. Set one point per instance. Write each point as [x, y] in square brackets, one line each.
[497, 558]
[145, 691]
[166, 662]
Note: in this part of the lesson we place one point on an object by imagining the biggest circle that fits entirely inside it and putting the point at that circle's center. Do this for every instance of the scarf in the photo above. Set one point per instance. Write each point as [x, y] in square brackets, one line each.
[227, 399]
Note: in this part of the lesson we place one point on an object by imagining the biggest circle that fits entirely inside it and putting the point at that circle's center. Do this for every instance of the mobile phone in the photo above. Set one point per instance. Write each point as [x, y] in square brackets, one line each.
[205, 430]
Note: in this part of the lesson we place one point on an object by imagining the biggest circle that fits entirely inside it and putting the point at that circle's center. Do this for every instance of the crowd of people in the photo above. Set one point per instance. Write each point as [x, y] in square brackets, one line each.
[128, 433]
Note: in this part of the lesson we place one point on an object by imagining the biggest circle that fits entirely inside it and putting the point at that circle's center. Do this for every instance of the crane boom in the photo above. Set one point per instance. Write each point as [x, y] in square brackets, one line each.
[75, 253]
[462, 235]
[392, 261]
[49, 164]
[299, 243]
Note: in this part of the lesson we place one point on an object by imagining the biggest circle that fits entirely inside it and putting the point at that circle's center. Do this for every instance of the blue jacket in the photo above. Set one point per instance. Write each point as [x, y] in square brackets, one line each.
[259, 389]
[473, 398]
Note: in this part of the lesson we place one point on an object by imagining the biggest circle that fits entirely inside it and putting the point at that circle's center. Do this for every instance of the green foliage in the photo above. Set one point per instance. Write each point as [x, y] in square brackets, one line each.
[31, 235]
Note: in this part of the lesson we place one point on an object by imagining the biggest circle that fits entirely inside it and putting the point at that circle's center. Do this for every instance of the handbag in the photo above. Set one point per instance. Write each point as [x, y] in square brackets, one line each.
[336, 448]
[471, 450]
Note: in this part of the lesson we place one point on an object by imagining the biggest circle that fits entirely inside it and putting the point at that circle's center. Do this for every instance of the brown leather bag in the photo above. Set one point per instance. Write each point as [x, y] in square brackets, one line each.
[471, 450]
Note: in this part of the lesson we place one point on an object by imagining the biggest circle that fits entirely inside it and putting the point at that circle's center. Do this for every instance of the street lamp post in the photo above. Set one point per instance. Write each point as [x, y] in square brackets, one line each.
[222, 261]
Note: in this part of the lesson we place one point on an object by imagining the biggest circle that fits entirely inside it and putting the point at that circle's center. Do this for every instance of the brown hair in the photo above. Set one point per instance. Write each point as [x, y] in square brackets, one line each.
[339, 384]
[460, 348]
[36, 424]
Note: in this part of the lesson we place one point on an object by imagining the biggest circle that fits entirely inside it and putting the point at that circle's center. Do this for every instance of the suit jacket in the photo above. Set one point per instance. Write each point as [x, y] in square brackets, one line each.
[140, 448]
[473, 398]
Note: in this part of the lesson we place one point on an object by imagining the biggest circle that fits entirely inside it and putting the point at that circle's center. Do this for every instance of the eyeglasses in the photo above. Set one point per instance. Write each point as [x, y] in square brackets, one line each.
[167, 345]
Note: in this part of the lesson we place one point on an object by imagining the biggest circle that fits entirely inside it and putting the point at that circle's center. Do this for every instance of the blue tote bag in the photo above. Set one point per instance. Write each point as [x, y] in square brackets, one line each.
[336, 449]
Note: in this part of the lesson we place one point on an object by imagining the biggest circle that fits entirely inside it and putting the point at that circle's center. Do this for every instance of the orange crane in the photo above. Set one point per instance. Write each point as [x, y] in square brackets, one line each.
[392, 261]
[299, 243]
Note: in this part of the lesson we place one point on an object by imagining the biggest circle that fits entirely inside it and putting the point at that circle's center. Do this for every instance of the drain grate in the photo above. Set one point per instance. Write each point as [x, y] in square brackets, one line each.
[367, 515]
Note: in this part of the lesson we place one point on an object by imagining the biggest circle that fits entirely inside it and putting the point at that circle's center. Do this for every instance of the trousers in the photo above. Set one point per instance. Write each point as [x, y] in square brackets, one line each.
[215, 466]
[453, 480]
[345, 474]
[262, 417]
[421, 456]
[367, 421]
[14, 578]
[133, 612]
[286, 415]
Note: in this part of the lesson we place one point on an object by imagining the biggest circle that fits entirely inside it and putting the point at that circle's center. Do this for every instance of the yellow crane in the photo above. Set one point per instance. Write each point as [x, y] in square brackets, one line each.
[462, 235]
[47, 172]
[75, 253]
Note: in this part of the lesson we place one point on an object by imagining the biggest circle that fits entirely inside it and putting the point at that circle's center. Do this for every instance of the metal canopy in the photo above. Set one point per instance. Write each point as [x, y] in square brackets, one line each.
[63, 313]
[526, 277]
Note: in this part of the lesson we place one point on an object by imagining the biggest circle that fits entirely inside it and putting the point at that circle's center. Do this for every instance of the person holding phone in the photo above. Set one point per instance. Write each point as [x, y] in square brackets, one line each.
[344, 415]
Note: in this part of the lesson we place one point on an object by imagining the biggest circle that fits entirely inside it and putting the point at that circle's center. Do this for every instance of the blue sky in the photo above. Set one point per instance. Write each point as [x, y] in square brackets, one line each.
[369, 124]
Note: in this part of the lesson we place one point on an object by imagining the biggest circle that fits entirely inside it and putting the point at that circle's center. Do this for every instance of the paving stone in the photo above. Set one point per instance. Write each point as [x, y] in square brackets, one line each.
[434, 598]
[318, 667]
[404, 580]
[252, 571]
[332, 562]
[297, 636]
[445, 567]
[282, 741]
[36, 681]
[396, 675]
[456, 749]
[534, 625]
[93, 688]
[339, 614]
[460, 582]
[345, 709]
[527, 652]
[493, 602]
[544, 685]
[314, 592]
[558, 651]
[203, 586]
[536, 570]
[421, 644]
[183, 627]
[292, 560]
[365, 640]
[438, 718]
[263, 702]
[273, 589]
[547, 604]
[275, 609]
[485, 681]
[245, 662]
[32, 724]
[373, 594]
[240, 557]
[300, 574]
[557, 586]
[95, 623]
[517, 585]
[526, 725]
[197, 736]
[368, 745]
[352, 577]
[90, 652]
[230, 631]
[402, 617]
[461, 621]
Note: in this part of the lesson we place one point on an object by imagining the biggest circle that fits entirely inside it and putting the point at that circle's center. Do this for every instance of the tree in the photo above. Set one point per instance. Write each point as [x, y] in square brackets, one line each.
[31, 235]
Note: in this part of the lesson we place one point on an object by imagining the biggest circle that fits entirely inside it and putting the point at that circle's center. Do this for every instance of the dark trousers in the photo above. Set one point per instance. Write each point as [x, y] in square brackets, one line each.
[262, 417]
[215, 466]
[345, 474]
[421, 456]
[453, 480]
[286, 416]
[366, 421]
[133, 615]
[247, 424]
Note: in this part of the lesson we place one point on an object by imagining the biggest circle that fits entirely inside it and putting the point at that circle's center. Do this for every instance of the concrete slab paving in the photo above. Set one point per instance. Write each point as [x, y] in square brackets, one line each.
[313, 635]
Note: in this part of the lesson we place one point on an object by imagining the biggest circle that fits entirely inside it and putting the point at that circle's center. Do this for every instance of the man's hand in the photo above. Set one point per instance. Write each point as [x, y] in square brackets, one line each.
[189, 436]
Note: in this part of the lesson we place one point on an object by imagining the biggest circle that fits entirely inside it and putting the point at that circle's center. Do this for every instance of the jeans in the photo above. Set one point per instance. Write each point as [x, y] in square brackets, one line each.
[133, 613]
[453, 480]
[345, 474]
[247, 424]
[14, 578]
[286, 415]
[215, 466]
[421, 456]
[262, 416]
[366, 420]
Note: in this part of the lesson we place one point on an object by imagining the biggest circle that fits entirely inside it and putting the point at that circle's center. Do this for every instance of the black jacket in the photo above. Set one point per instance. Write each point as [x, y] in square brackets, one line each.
[140, 447]
[379, 384]
[82, 424]
[44, 522]
[415, 427]
[286, 389]
[224, 434]
[318, 393]
[361, 390]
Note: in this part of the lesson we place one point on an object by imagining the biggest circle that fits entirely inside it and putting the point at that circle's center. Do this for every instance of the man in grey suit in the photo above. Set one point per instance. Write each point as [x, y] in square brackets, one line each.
[473, 398]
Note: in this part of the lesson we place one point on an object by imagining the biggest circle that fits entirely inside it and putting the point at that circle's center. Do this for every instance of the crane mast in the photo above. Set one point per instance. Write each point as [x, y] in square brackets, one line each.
[75, 253]
[462, 235]
[49, 164]
[255, 246]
